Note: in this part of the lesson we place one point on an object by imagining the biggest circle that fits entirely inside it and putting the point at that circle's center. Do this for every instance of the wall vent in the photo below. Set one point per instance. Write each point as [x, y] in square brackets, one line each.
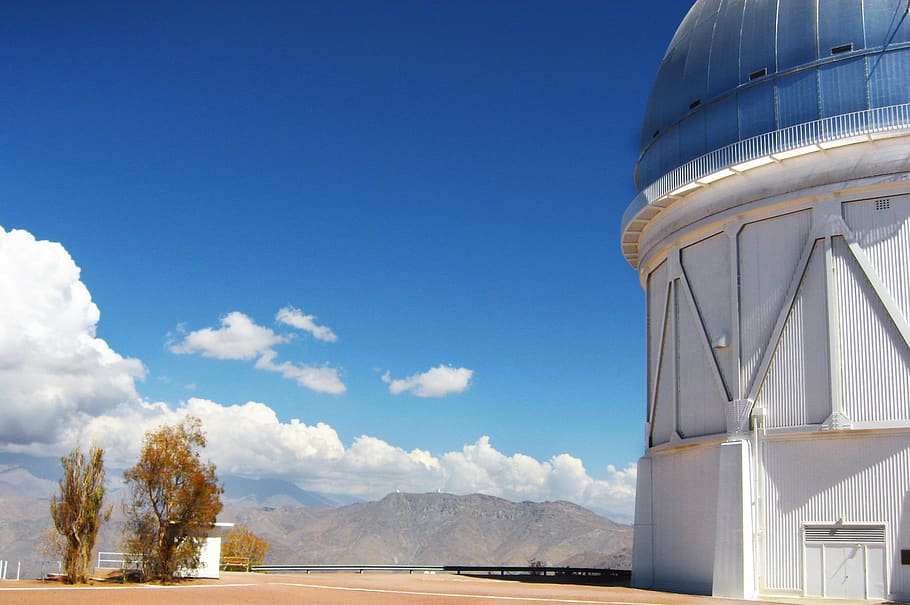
[843, 48]
[883, 204]
[844, 533]
[761, 73]
[694, 103]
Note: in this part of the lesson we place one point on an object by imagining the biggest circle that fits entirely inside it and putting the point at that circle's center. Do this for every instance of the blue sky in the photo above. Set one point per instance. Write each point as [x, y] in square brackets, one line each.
[435, 184]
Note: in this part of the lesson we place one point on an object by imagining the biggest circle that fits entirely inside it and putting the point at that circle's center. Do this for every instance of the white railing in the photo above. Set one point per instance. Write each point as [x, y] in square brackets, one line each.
[118, 560]
[866, 122]
[4, 569]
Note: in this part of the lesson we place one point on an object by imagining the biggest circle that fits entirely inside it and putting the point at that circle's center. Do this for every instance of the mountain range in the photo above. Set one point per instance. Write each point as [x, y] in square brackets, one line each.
[311, 528]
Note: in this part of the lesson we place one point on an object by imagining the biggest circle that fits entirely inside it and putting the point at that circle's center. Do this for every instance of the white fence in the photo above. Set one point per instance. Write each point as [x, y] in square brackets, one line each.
[118, 560]
[4, 569]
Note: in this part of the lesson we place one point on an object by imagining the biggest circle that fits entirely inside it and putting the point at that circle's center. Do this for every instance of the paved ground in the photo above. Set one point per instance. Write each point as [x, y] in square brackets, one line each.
[344, 588]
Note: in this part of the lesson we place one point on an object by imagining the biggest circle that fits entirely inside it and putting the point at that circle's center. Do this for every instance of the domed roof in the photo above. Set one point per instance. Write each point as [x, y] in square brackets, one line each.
[740, 68]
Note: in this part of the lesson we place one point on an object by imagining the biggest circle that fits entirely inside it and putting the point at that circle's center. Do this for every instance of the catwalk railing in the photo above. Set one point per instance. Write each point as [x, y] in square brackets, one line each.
[881, 120]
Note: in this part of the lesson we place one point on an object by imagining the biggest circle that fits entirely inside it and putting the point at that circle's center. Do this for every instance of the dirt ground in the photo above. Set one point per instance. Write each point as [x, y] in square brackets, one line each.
[342, 588]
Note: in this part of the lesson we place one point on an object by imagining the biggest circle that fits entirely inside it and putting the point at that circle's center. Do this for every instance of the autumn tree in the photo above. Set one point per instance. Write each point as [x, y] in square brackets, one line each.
[241, 542]
[78, 510]
[173, 502]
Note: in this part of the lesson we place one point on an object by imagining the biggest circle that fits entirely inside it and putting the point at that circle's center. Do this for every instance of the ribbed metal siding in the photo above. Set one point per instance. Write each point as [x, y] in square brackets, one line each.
[796, 390]
[769, 251]
[836, 476]
[882, 228]
[707, 268]
[875, 361]
[700, 402]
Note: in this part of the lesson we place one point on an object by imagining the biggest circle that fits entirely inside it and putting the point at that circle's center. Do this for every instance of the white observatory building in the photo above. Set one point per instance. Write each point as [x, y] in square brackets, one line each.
[771, 233]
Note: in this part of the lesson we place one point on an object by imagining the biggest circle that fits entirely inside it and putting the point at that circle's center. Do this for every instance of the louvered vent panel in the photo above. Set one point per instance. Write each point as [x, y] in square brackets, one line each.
[845, 533]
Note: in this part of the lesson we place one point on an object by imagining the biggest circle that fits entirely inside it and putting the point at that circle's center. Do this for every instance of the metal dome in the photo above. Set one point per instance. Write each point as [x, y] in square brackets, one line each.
[740, 68]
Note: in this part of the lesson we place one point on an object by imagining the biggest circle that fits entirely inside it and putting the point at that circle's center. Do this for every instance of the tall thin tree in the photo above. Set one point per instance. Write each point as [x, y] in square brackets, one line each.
[78, 510]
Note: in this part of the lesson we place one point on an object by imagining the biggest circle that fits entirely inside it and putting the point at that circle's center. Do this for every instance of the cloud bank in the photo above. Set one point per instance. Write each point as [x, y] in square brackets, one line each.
[250, 440]
[62, 385]
[436, 382]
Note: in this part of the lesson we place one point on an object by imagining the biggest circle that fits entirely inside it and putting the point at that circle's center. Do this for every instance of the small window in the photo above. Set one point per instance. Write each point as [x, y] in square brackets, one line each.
[843, 48]
[905, 557]
[883, 204]
[694, 103]
[761, 73]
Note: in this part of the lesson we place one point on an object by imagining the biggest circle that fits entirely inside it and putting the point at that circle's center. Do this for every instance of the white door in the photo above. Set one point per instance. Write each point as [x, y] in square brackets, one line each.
[845, 571]
[844, 562]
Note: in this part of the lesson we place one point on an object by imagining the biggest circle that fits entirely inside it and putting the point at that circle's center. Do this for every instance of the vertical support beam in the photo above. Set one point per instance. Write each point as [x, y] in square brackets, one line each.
[734, 574]
[736, 389]
[643, 537]
[834, 344]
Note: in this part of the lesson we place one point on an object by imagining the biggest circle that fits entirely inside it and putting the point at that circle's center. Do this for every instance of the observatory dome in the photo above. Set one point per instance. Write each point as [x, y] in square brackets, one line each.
[740, 68]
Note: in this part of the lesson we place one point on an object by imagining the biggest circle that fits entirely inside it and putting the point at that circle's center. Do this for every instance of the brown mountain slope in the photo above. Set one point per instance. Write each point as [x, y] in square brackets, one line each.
[440, 529]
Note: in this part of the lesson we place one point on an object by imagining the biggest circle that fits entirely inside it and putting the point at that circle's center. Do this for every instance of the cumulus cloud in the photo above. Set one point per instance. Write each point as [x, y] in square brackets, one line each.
[62, 385]
[436, 382]
[321, 379]
[295, 318]
[238, 338]
[315, 458]
[53, 368]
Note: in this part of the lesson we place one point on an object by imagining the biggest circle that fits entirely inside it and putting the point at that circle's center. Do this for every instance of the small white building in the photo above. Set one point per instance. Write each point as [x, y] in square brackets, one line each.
[210, 554]
[771, 234]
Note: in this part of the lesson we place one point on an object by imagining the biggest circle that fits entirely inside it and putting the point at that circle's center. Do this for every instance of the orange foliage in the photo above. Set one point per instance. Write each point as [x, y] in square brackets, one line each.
[174, 500]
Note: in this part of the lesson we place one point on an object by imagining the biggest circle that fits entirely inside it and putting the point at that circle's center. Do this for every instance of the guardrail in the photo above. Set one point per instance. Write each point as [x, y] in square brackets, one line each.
[866, 122]
[501, 570]
[354, 568]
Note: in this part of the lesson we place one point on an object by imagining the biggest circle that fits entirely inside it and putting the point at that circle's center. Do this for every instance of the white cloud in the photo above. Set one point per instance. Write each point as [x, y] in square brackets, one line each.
[250, 440]
[238, 338]
[295, 318]
[436, 382]
[62, 385]
[321, 379]
[53, 368]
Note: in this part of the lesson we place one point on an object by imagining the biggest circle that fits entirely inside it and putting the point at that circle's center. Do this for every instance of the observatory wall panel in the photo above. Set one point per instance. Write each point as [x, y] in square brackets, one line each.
[795, 33]
[885, 17]
[707, 269]
[841, 22]
[875, 360]
[724, 69]
[756, 111]
[769, 252]
[882, 229]
[797, 98]
[757, 48]
[796, 390]
[887, 78]
[684, 513]
[843, 475]
[700, 395]
[843, 87]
